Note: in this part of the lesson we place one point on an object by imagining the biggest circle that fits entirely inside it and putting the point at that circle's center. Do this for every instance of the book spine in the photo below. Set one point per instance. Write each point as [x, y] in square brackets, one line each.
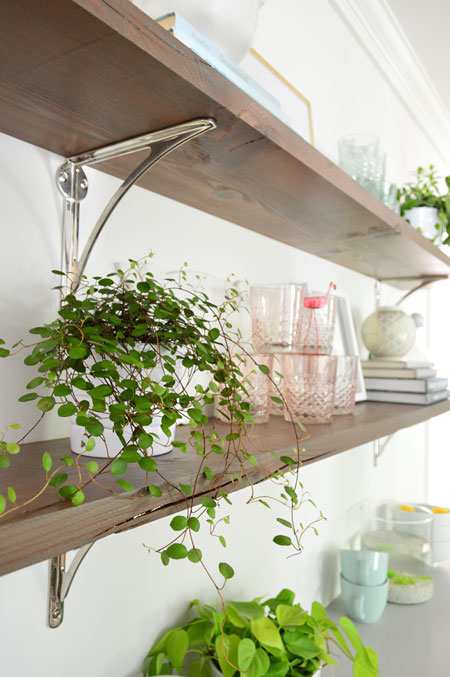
[255, 94]
[192, 38]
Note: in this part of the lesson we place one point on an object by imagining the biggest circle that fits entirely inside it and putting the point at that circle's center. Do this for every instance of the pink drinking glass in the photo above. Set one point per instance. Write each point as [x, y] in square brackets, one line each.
[308, 387]
[345, 384]
[276, 311]
[316, 332]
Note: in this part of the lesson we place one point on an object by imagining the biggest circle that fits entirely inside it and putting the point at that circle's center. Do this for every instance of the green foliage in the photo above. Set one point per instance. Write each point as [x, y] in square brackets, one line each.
[424, 192]
[275, 637]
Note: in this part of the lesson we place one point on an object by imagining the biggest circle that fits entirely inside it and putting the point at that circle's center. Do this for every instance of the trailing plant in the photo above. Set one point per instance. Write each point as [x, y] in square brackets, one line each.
[275, 637]
[126, 348]
[424, 192]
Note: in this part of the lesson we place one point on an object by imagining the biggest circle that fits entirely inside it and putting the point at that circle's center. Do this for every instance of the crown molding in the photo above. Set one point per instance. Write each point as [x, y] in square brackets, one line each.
[381, 35]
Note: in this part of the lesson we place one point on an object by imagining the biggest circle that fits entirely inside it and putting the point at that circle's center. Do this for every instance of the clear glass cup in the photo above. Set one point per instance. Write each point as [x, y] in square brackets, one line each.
[258, 386]
[357, 154]
[308, 387]
[316, 332]
[345, 384]
[374, 179]
[276, 311]
[407, 538]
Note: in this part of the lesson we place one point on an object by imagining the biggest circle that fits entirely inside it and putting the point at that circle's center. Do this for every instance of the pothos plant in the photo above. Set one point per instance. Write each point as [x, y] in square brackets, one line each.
[273, 638]
[113, 357]
[424, 192]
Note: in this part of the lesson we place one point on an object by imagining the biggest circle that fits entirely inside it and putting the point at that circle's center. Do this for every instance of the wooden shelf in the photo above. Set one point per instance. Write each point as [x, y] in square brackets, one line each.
[78, 74]
[52, 527]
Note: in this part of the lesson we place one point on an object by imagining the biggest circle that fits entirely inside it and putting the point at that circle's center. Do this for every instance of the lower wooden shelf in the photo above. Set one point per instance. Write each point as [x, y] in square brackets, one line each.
[51, 527]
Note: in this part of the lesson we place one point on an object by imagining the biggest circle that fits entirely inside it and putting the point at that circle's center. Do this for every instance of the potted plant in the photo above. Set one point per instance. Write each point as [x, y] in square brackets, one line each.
[111, 359]
[275, 637]
[426, 209]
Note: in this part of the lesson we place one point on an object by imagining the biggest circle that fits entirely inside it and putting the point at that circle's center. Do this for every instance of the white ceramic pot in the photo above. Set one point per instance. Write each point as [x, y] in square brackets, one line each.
[230, 25]
[425, 219]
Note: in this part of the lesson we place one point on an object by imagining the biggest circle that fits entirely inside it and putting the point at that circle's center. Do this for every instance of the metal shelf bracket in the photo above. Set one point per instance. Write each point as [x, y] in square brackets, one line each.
[379, 448]
[73, 184]
[60, 581]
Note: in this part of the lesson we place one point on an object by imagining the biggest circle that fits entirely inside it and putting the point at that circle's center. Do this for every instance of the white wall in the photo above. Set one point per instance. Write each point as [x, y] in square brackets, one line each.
[122, 598]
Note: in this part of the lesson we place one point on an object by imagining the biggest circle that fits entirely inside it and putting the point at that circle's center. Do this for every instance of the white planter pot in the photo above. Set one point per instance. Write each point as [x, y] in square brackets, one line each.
[230, 25]
[425, 220]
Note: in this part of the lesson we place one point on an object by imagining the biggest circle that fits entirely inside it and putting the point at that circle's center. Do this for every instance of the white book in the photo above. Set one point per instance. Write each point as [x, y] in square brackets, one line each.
[410, 385]
[407, 398]
[399, 373]
[396, 364]
[193, 39]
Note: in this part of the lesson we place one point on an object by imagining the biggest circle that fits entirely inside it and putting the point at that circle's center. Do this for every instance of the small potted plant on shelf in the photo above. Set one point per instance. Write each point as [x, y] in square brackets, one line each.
[426, 209]
[123, 353]
[275, 637]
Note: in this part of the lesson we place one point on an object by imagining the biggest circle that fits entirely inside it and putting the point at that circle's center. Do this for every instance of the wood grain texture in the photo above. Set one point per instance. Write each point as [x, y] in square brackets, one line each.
[77, 74]
[52, 527]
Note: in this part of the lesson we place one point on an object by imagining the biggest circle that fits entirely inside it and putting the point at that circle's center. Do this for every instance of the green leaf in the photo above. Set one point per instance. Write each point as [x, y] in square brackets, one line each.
[194, 555]
[177, 551]
[15, 426]
[247, 611]
[68, 409]
[61, 390]
[145, 440]
[12, 495]
[300, 645]
[92, 467]
[287, 460]
[264, 369]
[90, 444]
[277, 400]
[284, 522]
[266, 632]
[2, 504]
[208, 473]
[4, 353]
[78, 352]
[223, 542]
[58, 479]
[46, 403]
[186, 489]
[176, 647]
[68, 460]
[68, 491]
[47, 462]
[154, 490]
[260, 664]
[226, 650]
[35, 382]
[118, 467]
[12, 448]
[179, 523]
[246, 653]
[282, 540]
[194, 524]
[94, 427]
[290, 615]
[28, 397]
[4, 461]
[131, 455]
[127, 486]
[208, 502]
[78, 498]
[226, 570]
[148, 464]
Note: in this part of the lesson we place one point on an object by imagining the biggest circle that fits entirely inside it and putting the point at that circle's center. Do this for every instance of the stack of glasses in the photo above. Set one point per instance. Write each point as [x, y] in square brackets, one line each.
[293, 336]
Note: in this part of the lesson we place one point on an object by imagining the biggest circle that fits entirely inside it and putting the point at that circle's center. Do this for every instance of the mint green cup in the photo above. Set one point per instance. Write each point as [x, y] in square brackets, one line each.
[364, 567]
[364, 603]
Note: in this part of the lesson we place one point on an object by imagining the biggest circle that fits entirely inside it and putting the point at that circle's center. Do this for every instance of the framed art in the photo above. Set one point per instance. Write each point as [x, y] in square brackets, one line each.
[295, 107]
[345, 342]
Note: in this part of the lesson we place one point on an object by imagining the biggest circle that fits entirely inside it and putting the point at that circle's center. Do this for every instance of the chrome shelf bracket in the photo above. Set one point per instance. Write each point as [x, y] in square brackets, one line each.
[379, 448]
[73, 184]
[60, 581]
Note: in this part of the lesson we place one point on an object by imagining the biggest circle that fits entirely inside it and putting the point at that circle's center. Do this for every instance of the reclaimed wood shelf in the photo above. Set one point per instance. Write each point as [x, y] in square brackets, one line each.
[79, 74]
[51, 527]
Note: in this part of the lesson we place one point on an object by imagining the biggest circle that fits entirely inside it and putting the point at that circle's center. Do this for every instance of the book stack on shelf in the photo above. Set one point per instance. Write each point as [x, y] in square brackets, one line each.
[403, 381]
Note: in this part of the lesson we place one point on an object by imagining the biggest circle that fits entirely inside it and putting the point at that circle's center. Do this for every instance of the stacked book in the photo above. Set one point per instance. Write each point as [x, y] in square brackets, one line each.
[406, 382]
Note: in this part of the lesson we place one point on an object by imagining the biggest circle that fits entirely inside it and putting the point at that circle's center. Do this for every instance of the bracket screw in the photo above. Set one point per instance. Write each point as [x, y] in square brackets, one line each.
[62, 178]
[83, 184]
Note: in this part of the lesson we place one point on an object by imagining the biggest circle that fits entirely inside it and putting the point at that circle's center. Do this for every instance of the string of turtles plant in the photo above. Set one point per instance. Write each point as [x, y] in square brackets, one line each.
[113, 357]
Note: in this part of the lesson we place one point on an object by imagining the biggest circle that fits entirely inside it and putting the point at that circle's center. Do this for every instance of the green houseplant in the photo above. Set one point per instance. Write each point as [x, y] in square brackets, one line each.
[275, 637]
[111, 358]
[422, 204]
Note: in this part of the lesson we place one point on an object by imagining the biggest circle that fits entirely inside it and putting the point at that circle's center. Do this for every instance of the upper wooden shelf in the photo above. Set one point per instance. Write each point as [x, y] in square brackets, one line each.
[78, 74]
[51, 527]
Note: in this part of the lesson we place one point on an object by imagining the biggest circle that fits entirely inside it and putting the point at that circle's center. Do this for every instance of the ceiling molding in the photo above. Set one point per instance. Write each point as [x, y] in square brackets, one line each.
[380, 33]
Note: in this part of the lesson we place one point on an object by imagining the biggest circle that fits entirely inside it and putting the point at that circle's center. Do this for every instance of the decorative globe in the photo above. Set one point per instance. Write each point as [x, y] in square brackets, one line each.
[388, 332]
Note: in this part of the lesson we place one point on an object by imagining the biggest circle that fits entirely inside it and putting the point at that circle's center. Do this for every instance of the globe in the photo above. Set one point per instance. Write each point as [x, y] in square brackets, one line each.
[388, 332]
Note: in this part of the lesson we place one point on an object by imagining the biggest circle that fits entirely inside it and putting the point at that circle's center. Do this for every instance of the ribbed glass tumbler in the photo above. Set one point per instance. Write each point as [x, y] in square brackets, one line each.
[308, 387]
[258, 386]
[345, 384]
[316, 332]
[276, 311]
